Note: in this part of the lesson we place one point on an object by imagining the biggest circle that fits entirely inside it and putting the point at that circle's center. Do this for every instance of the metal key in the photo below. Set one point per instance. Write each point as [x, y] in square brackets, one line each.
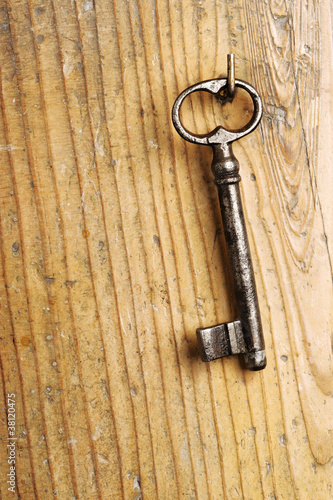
[244, 335]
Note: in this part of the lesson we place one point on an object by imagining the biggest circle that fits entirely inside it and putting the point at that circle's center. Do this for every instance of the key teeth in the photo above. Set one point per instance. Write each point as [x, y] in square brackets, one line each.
[213, 342]
[221, 340]
[227, 339]
[236, 337]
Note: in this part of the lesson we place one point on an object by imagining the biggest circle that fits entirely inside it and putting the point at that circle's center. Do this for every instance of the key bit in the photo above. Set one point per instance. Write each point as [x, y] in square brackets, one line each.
[244, 335]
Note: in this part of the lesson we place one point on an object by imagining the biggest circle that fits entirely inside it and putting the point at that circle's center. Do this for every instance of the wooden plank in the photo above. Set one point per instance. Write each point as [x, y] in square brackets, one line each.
[112, 251]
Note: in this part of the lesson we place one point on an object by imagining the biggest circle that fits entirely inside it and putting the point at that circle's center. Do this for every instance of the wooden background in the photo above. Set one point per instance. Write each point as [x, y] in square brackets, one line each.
[112, 252]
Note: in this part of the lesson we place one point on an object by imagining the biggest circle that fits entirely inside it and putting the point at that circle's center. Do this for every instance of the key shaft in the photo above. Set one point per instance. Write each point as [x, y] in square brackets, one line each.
[241, 264]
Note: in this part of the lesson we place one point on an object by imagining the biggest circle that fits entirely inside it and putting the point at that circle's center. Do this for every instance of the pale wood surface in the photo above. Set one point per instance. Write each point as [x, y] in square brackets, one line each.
[112, 252]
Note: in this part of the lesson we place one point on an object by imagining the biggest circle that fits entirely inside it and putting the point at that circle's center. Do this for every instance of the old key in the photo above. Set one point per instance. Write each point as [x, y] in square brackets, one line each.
[244, 335]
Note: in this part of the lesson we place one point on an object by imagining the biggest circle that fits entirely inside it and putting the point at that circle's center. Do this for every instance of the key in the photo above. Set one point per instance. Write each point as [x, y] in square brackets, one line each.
[244, 335]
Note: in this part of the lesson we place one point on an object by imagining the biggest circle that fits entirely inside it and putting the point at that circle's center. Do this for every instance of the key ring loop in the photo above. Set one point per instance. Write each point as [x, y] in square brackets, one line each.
[219, 135]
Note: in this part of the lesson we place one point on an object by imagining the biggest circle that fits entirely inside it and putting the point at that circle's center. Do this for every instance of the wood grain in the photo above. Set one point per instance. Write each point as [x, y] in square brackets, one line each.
[112, 250]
